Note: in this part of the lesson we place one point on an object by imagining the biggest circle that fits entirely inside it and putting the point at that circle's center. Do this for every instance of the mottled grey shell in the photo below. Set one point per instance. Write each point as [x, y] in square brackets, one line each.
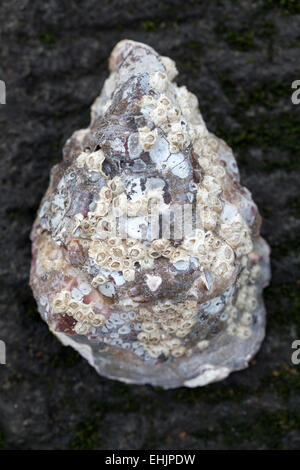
[142, 302]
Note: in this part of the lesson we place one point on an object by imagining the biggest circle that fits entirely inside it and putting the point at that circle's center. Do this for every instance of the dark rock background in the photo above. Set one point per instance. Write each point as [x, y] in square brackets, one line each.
[240, 58]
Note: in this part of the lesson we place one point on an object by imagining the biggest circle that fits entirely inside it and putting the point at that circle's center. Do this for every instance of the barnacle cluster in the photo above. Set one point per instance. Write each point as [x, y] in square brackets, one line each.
[51, 257]
[164, 326]
[113, 273]
[92, 160]
[114, 254]
[84, 314]
[240, 313]
[168, 118]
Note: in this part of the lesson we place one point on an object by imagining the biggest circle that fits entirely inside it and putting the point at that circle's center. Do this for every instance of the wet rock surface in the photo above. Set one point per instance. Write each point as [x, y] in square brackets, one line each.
[240, 62]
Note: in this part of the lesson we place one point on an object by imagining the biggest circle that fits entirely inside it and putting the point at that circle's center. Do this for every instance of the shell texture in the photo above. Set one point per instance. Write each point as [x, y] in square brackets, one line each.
[146, 253]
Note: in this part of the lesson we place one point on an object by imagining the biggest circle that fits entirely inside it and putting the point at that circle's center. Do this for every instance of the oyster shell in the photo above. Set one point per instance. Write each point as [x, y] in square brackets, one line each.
[146, 254]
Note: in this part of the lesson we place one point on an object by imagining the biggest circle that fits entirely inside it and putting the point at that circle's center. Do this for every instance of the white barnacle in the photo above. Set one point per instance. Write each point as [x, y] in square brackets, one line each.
[226, 252]
[212, 185]
[189, 243]
[114, 264]
[163, 100]
[174, 114]
[244, 332]
[177, 136]
[114, 241]
[98, 320]
[129, 274]
[146, 262]
[218, 171]
[255, 272]
[116, 185]
[102, 208]
[201, 345]
[82, 328]
[105, 193]
[179, 351]
[158, 80]
[232, 329]
[232, 311]
[142, 336]
[160, 245]
[61, 301]
[170, 67]
[93, 161]
[212, 142]
[147, 100]
[246, 319]
[81, 160]
[119, 205]
[136, 251]
[98, 280]
[78, 315]
[168, 252]
[159, 115]
[147, 138]
[135, 208]
[118, 251]
[209, 218]
[128, 263]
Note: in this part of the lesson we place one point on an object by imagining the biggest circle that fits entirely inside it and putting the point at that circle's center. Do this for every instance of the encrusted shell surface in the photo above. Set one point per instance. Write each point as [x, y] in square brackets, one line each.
[113, 273]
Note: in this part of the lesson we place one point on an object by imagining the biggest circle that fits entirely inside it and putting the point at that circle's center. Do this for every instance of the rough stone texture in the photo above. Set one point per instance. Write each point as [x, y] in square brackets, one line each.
[240, 60]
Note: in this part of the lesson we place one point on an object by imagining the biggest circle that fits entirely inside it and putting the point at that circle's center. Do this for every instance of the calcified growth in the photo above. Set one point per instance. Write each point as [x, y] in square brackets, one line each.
[164, 310]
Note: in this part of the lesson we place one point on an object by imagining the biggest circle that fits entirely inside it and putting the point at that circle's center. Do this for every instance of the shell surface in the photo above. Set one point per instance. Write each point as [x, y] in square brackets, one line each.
[147, 257]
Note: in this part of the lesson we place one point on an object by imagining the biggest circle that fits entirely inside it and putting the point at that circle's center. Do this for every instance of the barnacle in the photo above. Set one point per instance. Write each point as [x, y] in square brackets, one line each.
[160, 245]
[159, 80]
[99, 279]
[170, 67]
[147, 138]
[116, 185]
[177, 137]
[93, 161]
[159, 115]
[135, 208]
